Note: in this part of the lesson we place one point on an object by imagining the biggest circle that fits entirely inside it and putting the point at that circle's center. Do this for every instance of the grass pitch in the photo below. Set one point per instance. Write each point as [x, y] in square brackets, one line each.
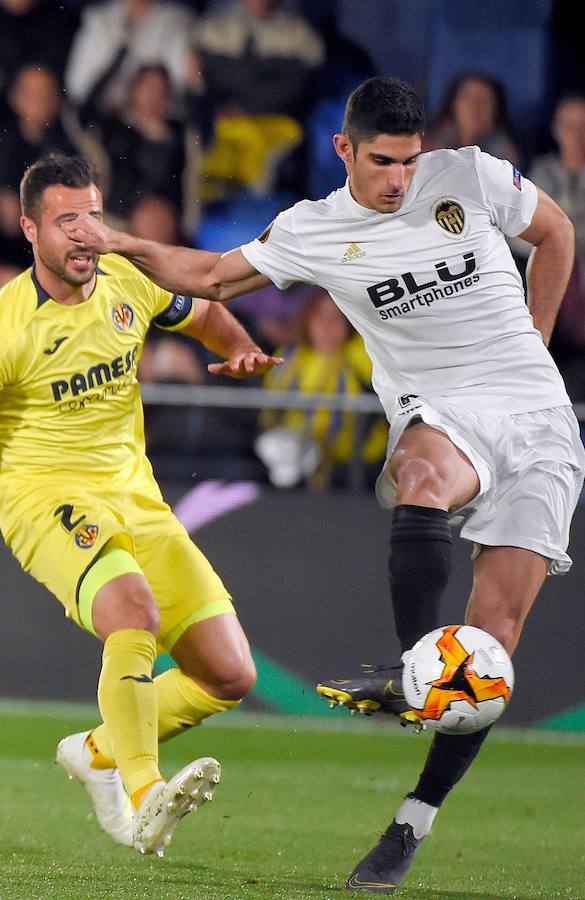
[298, 805]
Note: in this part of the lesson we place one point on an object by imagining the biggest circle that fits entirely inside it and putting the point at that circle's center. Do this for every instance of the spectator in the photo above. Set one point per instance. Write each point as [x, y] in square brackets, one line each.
[271, 315]
[38, 123]
[166, 357]
[34, 31]
[346, 65]
[125, 35]
[8, 272]
[149, 150]
[474, 112]
[347, 62]
[562, 175]
[317, 446]
[14, 249]
[155, 218]
[258, 59]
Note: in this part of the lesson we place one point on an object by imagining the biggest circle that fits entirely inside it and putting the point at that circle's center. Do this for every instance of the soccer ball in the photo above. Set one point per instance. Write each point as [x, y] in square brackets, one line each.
[457, 679]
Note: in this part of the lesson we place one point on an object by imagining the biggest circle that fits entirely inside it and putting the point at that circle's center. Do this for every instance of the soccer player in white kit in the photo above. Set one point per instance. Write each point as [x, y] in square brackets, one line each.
[413, 251]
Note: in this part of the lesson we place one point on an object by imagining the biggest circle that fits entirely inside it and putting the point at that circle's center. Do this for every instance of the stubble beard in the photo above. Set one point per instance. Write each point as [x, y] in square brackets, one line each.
[59, 267]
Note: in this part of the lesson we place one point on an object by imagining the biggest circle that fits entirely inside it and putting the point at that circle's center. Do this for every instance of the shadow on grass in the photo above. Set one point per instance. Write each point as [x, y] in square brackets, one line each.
[224, 886]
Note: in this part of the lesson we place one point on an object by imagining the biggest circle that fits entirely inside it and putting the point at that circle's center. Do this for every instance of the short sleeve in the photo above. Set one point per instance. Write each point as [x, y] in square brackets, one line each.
[157, 299]
[278, 253]
[159, 306]
[511, 197]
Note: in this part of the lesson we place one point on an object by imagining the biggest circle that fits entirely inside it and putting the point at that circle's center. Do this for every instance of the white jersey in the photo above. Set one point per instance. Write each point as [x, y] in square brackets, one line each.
[432, 288]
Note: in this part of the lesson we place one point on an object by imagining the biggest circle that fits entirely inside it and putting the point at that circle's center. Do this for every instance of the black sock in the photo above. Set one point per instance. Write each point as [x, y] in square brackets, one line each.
[419, 566]
[449, 758]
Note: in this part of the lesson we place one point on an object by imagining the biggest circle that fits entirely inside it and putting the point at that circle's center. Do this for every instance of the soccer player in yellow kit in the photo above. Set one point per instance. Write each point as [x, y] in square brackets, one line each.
[81, 510]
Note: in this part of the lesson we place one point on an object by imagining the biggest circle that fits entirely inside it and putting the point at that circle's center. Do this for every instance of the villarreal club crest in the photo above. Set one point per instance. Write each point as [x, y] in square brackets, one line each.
[123, 316]
[86, 536]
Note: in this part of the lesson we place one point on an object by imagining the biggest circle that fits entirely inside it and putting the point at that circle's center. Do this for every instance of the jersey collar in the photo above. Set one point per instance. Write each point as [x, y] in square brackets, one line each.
[42, 295]
[356, 208]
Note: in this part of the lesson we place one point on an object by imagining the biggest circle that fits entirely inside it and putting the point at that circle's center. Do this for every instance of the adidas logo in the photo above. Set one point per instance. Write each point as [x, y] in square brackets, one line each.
[354, 251]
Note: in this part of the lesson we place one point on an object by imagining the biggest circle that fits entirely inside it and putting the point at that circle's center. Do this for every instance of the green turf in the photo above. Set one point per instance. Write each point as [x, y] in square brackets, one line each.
[297, 807]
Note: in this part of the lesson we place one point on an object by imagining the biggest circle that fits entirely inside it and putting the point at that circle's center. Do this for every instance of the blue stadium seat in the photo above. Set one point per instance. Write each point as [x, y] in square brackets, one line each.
[228, 225]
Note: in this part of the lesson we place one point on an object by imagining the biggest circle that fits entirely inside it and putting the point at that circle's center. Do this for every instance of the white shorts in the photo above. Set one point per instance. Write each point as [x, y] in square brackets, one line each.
[530, 468]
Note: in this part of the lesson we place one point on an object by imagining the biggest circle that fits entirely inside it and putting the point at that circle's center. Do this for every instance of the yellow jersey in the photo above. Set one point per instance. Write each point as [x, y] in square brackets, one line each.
[69, 393]
[342, 371]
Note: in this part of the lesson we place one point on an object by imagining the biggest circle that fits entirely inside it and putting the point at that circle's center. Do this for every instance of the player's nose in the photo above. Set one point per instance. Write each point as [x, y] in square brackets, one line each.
[396, 179]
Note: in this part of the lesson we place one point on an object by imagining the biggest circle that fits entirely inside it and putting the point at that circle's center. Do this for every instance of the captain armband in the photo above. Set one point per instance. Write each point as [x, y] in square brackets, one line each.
[177, 312]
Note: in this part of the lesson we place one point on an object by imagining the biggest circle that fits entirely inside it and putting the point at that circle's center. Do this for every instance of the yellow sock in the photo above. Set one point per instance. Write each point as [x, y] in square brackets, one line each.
[138, 796]
[102, 742]
[183, 703]
[99, 761]
[128, 704]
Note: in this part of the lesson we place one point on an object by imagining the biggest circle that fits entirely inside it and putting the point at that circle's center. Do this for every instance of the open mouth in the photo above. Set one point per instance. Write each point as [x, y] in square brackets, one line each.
[82, 260]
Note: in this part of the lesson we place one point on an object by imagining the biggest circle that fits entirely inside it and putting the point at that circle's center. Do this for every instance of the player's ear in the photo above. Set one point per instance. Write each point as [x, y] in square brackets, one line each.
[343, 148]
[29, 228]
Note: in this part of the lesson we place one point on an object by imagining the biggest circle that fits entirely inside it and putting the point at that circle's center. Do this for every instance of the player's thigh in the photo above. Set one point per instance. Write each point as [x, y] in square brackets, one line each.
[57, 532]
[187, 588]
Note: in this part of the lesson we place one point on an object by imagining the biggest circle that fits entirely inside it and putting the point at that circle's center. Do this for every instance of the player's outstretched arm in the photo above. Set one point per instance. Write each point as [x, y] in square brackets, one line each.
[550, 264]
[220, 331]
[181, 270]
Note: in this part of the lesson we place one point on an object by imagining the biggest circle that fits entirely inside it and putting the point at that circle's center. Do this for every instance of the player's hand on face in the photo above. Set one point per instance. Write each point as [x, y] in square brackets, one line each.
[245, 365]
[90, 232]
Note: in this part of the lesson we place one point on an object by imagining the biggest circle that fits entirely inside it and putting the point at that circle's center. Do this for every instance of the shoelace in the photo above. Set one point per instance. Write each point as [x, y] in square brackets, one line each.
[370, 669]
[409, 842]
[395, 678]
[387, 847]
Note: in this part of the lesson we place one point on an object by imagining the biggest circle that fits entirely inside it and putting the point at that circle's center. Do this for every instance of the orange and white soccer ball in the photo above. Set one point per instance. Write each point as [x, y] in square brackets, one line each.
[457, 679]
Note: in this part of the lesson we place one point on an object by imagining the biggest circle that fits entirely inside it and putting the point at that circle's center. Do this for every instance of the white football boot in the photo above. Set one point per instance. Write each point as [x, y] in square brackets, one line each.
[112, 806]
[167, 802]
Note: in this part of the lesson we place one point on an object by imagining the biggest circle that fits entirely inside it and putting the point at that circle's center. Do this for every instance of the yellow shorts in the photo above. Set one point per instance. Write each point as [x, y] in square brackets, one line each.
[57, 528]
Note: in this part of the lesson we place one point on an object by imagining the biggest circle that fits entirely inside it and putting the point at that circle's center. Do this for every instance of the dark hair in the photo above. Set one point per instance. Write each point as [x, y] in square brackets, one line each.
[570, 97]
[501, 117]
[382, 106]
[149, 69]
[70, 171]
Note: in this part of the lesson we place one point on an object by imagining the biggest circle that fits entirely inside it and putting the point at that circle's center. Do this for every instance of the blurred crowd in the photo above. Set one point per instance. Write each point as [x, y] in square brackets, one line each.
[205, 118]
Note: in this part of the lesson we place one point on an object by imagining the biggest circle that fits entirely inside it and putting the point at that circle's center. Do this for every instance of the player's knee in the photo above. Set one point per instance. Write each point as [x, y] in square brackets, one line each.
[246, 679]
[235, 681]
[418, 478]
[141, 610]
